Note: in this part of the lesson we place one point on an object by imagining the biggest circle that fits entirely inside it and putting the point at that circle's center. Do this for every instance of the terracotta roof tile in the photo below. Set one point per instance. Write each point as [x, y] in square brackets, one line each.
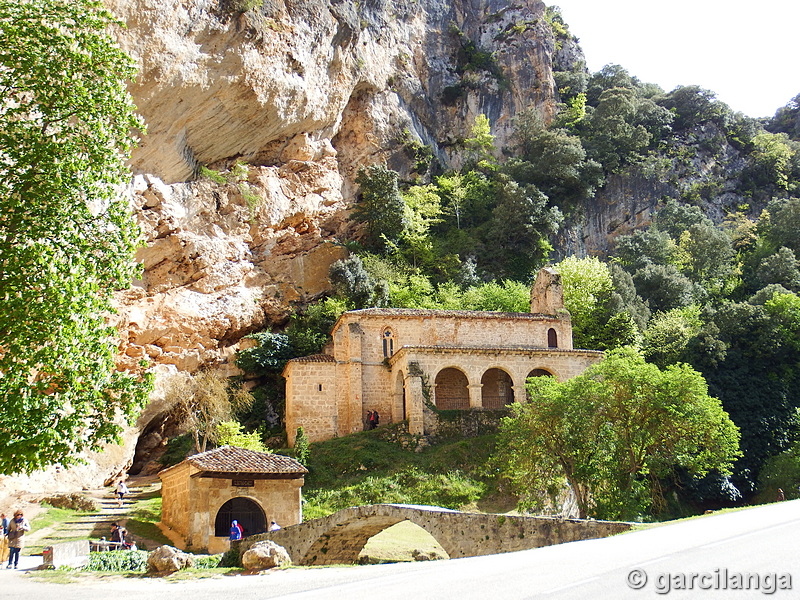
[321, 358]
[464, 314]
[229, 459]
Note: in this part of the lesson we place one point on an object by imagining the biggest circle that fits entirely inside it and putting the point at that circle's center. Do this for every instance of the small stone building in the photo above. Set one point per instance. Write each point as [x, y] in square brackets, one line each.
[393, 360]
[203, 494]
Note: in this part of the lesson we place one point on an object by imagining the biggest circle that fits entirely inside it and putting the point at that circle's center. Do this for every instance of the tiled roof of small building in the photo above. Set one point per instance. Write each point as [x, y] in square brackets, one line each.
[321, 358]
[229, 459]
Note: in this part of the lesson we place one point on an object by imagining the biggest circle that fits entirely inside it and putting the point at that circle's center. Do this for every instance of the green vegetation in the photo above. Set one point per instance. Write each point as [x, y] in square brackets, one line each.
[67, 237]
[142, 523]
[383, 465]
[690, 293]
[614, 433]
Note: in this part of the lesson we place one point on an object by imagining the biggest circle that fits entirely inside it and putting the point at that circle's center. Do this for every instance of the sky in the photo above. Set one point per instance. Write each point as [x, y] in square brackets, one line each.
[748, 53]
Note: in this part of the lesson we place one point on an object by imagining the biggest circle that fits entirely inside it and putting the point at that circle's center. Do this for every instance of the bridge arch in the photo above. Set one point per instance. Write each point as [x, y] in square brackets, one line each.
[343, 543]
[340, 537]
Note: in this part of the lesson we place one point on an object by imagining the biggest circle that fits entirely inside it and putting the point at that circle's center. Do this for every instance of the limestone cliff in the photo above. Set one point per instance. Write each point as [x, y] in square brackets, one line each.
[284, 102]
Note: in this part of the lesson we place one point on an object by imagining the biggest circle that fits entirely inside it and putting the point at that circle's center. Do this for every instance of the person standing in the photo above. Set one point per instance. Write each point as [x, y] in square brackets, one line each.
[236, 531]
[3, 537]
[368, 424]
[16, 540]
[118, 535]
[273, 526]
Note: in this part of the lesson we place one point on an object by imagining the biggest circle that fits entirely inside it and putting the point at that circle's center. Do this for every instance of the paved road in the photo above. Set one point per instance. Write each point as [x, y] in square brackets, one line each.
[763, 542]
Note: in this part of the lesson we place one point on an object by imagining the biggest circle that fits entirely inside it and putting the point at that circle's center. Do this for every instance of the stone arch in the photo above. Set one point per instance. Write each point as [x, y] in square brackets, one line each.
[245, 510]
[552, 338]
[497, 388]
[451, 389]
[537, 373]
[387, 341]
[342, 543]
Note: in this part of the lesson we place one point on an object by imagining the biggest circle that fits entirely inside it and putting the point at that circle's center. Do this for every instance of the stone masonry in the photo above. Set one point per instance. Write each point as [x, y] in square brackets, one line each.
[394, 360]
[339, 538]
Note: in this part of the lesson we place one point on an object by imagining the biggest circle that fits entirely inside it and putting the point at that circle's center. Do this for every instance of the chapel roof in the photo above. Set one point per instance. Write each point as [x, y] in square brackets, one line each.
[464, 314]
[230, 459]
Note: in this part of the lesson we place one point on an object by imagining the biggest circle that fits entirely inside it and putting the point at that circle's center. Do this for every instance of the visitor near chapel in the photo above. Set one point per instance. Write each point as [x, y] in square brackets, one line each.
[16, 538]
[236, 530]
[273, 526]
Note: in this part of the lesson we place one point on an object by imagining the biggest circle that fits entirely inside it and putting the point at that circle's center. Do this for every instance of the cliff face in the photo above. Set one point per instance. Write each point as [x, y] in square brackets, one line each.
[284, 102]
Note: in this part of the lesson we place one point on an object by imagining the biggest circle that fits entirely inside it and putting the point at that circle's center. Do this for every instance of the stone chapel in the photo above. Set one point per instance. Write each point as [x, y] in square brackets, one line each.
[390, 359]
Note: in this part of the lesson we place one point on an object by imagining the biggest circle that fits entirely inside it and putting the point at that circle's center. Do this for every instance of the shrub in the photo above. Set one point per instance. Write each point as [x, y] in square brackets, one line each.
[117, 560]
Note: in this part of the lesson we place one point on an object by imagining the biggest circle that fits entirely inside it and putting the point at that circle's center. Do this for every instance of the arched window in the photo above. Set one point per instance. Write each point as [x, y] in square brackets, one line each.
[388, 343]
[552, 338]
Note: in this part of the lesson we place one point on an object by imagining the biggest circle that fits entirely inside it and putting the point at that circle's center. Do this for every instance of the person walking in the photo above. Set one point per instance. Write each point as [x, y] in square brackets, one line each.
[16, 540]
[121, 490]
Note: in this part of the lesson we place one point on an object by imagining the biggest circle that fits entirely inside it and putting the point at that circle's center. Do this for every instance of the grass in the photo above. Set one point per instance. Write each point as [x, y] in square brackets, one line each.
[143, 518]
[382, 465]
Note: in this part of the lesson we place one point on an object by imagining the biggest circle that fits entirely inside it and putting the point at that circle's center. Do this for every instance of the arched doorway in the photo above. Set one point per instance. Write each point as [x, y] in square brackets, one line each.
[451, 389]
[248, 512]
[552, 338]
[497, 390]
[537, 373]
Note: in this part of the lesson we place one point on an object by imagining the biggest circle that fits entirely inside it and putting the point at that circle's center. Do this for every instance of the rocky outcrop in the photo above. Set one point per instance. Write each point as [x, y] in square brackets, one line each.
[257, 122]
[220, 83]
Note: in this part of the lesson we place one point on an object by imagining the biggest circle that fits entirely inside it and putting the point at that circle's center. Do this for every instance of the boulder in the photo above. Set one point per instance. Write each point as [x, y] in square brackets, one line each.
[265, 555]
[166, 559]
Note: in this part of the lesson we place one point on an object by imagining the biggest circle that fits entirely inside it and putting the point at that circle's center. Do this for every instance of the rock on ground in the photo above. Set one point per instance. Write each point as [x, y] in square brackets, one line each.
[265, 555]
[166, 559]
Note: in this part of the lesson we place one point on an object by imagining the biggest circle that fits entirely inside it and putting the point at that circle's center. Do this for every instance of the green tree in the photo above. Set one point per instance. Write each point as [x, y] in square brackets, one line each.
[231, 433]
[380, 207]
[481, 144]
[67, 236]
[613, 433]
[423, 210]
[520, 230]
[552, 160]
[588, 290]
[669, 333]
[201, 403]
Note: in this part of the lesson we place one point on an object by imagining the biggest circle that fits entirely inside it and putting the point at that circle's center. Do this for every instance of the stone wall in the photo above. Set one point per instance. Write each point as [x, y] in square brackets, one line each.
[340, 537]
[311, 399]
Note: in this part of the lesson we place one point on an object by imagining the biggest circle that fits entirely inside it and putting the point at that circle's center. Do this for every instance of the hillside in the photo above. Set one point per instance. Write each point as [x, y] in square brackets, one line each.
[438, 152]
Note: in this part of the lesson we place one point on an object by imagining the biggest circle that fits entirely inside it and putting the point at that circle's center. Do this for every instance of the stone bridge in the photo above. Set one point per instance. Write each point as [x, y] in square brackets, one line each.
[340, 537]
